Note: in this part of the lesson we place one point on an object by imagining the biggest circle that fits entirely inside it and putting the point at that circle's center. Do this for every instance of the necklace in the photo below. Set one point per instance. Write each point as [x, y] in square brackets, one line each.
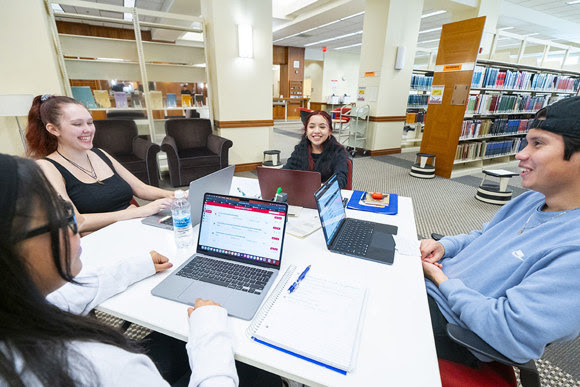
[527, 221]
[91, 172]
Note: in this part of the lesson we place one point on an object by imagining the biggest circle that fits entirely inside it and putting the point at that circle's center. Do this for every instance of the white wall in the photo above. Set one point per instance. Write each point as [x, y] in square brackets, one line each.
[343, 67]
[313, 72]
[28, 64]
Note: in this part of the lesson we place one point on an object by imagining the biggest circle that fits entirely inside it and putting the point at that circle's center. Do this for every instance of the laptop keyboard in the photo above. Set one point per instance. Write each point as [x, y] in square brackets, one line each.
[246, 278]
[168, 221]
[355, 237]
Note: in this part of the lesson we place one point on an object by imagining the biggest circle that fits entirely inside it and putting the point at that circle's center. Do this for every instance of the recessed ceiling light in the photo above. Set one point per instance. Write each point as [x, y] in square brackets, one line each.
[335, 38]
[428, 41]
[431, 30]
[318, 27]
[433, 13]
[349, 46]
[573, 2]
[56, 8]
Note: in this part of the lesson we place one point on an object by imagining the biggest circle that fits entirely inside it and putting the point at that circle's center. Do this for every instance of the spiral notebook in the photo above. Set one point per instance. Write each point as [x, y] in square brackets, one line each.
[319, 322]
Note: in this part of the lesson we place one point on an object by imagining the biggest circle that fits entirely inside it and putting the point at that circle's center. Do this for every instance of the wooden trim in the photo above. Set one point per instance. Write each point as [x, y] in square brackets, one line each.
[387, 118]
[247, 167]
[243, 124]
[382, 152]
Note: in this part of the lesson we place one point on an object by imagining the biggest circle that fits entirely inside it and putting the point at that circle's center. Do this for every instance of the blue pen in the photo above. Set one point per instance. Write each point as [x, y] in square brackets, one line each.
[300, 278]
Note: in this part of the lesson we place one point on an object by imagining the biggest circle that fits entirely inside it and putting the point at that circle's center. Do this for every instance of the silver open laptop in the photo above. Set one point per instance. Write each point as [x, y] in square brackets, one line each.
[217, 182]
[239, 251]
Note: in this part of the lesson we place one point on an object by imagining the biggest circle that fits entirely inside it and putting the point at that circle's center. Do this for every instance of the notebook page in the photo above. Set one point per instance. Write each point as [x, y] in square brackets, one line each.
[319, 320]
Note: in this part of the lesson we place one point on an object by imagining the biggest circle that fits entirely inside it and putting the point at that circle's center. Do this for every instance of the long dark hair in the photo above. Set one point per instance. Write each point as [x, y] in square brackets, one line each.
[32, 330]
[45, 109]
[330, 142]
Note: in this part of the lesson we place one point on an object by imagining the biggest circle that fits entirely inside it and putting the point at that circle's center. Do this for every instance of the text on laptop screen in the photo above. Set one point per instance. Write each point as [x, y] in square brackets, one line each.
[331, 209]
[242, 229]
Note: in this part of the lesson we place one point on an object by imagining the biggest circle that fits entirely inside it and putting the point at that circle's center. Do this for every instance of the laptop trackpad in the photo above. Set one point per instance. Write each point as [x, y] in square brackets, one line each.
[382, 247]
[205, 291]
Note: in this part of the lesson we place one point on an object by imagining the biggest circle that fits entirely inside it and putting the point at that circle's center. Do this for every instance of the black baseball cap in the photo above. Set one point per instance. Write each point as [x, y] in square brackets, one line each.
[562, 117]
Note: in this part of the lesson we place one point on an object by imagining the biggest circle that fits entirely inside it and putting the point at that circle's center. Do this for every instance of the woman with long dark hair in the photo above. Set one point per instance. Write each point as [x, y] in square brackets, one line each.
[42, 342]
[60, 134]
[319, 151]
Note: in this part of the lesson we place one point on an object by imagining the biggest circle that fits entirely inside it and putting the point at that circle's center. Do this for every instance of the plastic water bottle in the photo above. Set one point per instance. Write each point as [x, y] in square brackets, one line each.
[181, 213]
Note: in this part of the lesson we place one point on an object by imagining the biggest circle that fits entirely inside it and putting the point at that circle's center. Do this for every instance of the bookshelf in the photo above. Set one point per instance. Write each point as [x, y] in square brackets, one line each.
[419, 91]
[489, 128]
[503, 99]
[144, 64]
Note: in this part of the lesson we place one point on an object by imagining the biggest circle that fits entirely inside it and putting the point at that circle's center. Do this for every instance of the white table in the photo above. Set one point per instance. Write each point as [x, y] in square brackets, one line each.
[396, 346]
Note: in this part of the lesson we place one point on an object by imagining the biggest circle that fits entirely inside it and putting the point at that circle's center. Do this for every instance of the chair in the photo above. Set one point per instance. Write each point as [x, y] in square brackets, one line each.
[126, 114]
[191, 113]
[349, 176]
[341, 118]
[193, 151]
[119, 137]
[304, 114]
[499, 372]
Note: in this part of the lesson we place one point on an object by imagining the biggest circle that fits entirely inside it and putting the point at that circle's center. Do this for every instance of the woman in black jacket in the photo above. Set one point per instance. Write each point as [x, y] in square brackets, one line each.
[319, 151]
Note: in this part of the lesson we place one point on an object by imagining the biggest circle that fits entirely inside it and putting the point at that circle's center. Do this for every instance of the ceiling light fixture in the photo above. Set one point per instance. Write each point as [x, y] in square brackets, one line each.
[322, 26]
[506, 28]
[193, 36]
[128, 4]
[57, 8]
[428, 41]
[573, 2]
[431, 30]
[349, 46]
[335, 38]
[433, 13]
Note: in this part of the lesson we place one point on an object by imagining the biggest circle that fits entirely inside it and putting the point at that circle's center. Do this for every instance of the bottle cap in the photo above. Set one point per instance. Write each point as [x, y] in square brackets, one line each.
[179, 194]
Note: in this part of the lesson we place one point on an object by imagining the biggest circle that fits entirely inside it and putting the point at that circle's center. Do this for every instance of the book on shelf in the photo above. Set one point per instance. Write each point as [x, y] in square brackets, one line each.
[485, 149]
[156, 100]
[495, 78]
[84, 95]
[417, 100]
[171, 100]
[136, 99]
[121, 99]
[186, 100]
[102, 98]
[319, 322]
[421, 82]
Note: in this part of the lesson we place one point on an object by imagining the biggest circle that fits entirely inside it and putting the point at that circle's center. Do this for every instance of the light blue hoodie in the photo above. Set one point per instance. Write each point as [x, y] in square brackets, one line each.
[518, 292]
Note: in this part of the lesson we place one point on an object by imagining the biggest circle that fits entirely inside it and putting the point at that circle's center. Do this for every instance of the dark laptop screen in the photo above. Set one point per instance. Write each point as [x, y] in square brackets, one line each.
[244, 229]
[330, 208]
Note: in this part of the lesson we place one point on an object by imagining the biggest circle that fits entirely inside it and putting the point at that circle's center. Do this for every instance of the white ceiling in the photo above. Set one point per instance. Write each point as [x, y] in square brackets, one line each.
[542, 19]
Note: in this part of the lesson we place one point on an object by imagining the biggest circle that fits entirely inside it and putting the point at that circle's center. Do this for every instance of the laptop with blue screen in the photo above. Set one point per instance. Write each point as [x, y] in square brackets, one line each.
[239, 251]
[354, 237]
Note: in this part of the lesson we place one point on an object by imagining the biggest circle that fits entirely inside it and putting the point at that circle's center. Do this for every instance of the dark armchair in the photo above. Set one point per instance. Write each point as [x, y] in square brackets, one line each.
[119, 137]
[193, 151]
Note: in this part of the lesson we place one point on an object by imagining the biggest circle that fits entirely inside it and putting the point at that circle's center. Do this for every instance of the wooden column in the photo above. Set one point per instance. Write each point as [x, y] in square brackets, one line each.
[458, 49]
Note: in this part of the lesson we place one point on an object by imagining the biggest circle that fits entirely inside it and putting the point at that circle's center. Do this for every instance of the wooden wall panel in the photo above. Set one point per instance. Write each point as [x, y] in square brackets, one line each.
[459, 44]
[280, 55]
[104, 32]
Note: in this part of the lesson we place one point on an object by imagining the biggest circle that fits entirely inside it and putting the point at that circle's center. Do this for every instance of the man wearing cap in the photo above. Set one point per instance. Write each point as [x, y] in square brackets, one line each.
[516, 282]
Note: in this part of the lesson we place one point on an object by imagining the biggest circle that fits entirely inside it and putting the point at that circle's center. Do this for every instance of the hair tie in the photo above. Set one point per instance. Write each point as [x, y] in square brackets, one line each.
[44, 97]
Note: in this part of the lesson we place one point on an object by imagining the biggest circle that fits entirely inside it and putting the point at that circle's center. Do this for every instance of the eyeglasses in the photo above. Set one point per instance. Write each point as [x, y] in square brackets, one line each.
[70, 220]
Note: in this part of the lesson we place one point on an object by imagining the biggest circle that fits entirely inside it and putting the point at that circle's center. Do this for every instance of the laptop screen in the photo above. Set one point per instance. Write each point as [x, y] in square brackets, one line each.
[243, 229]
[330, 208]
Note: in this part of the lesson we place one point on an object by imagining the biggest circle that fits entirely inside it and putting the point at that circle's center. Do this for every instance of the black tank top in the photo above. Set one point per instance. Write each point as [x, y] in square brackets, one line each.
[89, 198]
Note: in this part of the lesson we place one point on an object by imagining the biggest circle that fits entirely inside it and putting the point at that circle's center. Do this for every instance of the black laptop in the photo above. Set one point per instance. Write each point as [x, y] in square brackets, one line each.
[354, 237]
